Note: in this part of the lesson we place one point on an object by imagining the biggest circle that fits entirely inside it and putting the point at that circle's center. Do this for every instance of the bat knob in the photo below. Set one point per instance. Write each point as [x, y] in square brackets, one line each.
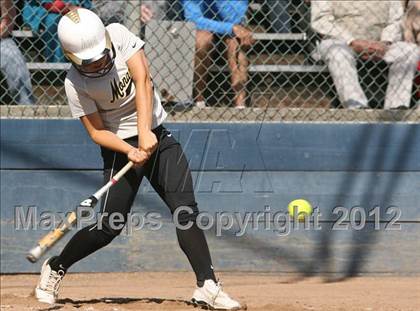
[34, 254]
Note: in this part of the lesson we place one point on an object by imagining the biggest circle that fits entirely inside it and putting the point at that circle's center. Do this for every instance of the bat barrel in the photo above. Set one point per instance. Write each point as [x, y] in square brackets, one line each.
[51, 238]
[34, 254]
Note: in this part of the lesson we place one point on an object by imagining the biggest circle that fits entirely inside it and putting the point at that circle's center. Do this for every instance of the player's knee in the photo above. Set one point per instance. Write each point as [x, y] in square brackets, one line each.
[110, 229]
[185, 214]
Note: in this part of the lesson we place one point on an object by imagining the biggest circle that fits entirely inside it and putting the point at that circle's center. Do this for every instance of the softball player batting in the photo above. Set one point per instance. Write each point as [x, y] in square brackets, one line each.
[109, 88]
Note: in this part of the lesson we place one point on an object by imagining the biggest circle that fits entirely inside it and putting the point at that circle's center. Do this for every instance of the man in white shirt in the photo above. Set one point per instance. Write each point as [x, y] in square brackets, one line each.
[369, 30]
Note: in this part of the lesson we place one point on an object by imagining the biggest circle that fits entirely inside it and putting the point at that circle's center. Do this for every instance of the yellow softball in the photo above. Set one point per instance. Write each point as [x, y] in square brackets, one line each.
[301, 207]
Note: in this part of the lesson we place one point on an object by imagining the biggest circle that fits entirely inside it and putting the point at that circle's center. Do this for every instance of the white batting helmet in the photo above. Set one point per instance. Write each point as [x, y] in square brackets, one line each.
[85, 40]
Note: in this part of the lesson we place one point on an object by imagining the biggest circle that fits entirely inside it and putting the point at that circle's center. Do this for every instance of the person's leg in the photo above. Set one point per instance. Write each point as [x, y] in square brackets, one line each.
[238, 65]
[170, 176]
[202, 62]
[403, 57]
[13, 66]
[342, 66]
[118, 199]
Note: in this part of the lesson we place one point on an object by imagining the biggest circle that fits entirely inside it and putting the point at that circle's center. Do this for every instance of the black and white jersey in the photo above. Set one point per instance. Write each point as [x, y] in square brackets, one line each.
[112, 95]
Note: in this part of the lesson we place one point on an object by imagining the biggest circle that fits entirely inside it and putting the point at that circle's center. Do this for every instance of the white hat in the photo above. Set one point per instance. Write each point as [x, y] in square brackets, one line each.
[83, 36]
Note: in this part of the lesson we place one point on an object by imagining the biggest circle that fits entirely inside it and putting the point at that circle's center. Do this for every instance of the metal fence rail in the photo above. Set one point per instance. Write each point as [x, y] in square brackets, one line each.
[285, 73]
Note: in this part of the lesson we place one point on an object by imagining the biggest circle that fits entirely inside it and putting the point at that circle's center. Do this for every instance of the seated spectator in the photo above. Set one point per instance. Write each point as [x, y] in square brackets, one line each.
[412, 22]
[224, 18]
[412, 32]
[13, 64]
[370, 30]
[43, 16]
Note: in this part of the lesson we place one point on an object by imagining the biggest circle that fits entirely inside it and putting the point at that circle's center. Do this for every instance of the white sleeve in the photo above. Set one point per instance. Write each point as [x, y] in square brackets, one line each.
[79, 102]
[393, 30]
[128, 42]
[323, 22]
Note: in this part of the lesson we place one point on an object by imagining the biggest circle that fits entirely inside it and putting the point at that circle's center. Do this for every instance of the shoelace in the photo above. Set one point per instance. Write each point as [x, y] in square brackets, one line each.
[221, 293]
[219, 290]
[54, 281]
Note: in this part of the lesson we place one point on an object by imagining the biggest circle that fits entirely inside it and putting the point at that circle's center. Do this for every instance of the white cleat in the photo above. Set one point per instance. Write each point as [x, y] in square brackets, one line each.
[49, 283]
[212, 296]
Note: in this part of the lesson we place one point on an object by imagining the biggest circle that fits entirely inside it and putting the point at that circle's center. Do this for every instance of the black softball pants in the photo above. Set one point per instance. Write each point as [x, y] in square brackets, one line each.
[170, 176]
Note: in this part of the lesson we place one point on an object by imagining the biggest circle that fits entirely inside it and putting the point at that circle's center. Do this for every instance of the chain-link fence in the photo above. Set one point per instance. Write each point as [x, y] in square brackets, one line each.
[234, 60]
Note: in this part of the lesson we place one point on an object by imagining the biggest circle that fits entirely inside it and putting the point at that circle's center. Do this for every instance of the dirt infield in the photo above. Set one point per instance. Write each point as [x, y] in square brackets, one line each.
[171, 291]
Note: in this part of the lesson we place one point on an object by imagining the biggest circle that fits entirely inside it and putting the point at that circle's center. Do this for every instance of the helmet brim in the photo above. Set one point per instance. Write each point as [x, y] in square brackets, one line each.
[91, 55]
[100, 72]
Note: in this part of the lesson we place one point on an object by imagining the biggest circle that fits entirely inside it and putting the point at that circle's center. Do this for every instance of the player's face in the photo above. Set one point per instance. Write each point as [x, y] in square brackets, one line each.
[99, 67]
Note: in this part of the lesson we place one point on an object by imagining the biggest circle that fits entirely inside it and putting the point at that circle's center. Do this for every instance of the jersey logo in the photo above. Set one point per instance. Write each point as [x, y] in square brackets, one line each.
[122, 88]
